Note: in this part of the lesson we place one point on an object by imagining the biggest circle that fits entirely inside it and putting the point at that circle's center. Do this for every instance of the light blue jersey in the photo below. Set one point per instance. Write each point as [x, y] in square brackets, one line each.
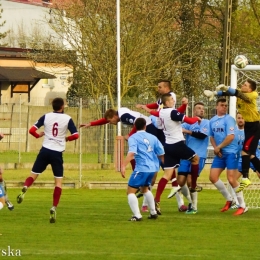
[220, 128]
[240, 135]
[154, 120]
[198, 145]
[146, 147]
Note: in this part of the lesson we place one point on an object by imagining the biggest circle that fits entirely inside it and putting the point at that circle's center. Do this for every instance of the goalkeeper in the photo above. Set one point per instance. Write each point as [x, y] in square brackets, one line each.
[247, 107]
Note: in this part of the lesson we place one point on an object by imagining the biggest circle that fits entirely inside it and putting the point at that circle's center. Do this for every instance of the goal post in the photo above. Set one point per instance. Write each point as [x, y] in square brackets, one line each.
[119, 152]
[238, 77]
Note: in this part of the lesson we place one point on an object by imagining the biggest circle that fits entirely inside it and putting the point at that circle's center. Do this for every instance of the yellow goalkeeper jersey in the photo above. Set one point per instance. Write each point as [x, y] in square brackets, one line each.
[247, 106]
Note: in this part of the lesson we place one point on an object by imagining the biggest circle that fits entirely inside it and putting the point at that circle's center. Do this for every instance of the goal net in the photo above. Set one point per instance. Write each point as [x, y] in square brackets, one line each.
[238, 77]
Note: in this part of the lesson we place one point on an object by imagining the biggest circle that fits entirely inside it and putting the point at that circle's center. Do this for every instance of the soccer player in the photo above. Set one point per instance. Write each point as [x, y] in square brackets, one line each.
[146, 149]
[164, 87]
[241, 124]
[2, 197]
[225, 144]
[124, 115]
[55, 125]
[247, 107]
[127, 117]
[197, 138]
[175, 148]
[8, 203]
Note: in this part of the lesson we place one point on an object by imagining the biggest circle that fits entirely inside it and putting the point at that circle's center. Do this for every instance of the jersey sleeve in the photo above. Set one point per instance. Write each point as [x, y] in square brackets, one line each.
[127, 119]
[71, 126]
[40, 122]
[204, 127]
[132, 145]
[230, 125]
[159, 150]
[177, 116]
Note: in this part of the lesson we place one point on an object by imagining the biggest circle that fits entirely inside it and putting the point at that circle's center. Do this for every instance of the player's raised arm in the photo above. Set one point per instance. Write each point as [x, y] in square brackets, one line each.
[150, 106]
[36, 126]
[101, 121]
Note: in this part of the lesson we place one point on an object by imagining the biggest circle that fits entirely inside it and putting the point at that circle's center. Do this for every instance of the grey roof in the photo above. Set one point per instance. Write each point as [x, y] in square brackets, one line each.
[24, 74]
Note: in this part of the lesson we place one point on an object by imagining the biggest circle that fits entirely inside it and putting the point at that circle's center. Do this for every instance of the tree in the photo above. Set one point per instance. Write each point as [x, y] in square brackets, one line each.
[151, 46]
[2, 34]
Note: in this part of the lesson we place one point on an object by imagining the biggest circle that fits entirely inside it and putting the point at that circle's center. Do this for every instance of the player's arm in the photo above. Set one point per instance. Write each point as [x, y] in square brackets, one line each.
[182, 108]
[226, 141]
[73, 130]
[197, 135]
[150, 106]
[201, 134]
[177, 116]
[223, 90]
[132, 144]
[237, 93]
[213, 143]
[101, 121]
[1, 136]
[36, 126]
[130, 156]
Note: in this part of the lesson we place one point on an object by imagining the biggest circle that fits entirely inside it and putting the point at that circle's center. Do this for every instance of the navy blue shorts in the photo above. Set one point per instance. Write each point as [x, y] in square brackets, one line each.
[175, 152]
[46, 157]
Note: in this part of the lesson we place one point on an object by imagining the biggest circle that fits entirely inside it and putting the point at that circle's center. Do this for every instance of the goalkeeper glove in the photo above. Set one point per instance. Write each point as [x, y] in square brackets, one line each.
[222, 87]
[210, 94]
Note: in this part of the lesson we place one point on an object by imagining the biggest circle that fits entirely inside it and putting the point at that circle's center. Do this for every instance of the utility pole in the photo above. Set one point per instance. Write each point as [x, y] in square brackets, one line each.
[226, 44]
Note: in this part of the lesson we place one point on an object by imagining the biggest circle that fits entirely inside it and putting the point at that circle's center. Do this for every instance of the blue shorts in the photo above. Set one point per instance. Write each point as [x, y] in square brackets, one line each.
[229, 161]
[2, 193]
[46, 157]
[185, 167]
[140, 179]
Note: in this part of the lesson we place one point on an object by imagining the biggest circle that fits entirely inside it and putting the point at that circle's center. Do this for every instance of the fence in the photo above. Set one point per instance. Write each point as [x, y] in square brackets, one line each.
[96, 144]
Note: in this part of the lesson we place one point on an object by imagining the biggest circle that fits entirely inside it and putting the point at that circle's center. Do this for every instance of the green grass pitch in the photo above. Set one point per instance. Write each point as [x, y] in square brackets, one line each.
[93, 224]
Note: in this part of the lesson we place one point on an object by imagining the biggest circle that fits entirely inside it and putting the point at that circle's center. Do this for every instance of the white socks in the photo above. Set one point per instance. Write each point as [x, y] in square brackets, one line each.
[240, 198]
[186, 193]
[145, 203]
[223, 190]
[133, 203]
[150, 202]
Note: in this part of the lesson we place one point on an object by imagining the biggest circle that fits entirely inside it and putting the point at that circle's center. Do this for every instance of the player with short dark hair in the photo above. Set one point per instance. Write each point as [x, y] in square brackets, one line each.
[146, 149]
[247, 106]
[225, 143]
[55, 124]
[175, 147]
[197, 138]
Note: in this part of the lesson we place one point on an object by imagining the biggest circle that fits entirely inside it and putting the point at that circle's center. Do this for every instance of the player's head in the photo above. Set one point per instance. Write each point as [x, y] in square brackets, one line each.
[248, 86]
[58, 104]
[240, 121]
[221, 106]
[164, 86]
[199, 109]
[167, 100]
[111, 116]
[140, 124]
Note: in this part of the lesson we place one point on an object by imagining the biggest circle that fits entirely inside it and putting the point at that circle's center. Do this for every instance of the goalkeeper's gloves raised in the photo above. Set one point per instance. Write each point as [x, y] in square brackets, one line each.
[222, 87]
[210, 94]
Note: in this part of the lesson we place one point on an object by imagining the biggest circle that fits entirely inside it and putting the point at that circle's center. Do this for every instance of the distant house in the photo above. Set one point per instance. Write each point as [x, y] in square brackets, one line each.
[35, 84]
